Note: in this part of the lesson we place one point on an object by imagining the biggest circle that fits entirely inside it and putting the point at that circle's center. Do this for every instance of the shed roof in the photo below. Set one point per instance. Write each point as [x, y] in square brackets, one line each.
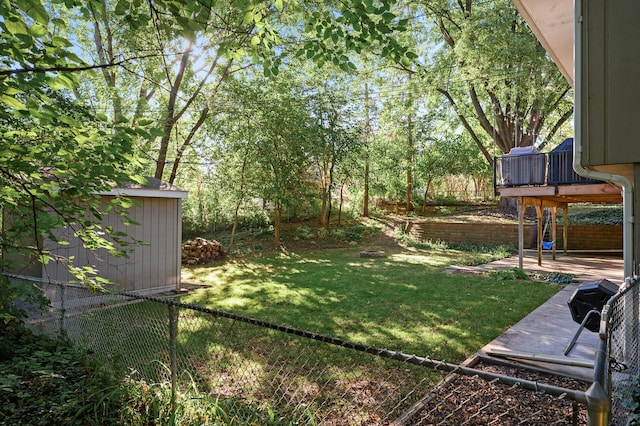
[153, 188]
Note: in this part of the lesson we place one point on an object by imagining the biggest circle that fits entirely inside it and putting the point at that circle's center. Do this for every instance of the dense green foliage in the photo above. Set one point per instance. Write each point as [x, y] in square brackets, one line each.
[218, 97]
[55, 153]
[45, 381]
[497, 77]
[597, 216]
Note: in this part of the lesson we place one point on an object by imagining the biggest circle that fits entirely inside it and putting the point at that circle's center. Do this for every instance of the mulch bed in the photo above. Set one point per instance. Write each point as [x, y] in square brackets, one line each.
[473, 401]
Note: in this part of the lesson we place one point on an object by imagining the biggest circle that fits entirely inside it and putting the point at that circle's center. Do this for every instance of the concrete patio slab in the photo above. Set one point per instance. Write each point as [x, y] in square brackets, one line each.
[540, 339]
[584, 267]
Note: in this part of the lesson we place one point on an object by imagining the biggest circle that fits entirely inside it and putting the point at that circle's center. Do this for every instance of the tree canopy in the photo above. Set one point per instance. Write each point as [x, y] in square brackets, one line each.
[497, 77]
[290, 101]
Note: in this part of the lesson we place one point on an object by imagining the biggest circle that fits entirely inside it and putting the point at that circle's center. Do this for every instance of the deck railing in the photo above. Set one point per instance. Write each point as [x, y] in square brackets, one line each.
[539, 169]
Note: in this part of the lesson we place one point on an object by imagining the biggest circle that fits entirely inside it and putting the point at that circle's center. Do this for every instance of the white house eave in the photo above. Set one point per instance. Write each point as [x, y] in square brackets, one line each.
[145, 193]
[552, 23]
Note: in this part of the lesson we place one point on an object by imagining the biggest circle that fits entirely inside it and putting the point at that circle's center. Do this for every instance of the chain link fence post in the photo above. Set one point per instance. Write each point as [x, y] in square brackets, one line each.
[63, 320]
[598, 405]
[173, 333]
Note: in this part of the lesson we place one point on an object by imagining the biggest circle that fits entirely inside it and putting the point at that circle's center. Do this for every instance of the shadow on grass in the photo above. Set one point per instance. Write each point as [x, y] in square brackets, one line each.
[401, 302]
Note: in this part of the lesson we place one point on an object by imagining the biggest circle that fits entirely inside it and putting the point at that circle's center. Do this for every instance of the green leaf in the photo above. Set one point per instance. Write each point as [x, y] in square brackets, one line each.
[15, 26]
[12, 102]
[61, 23]
[69, 120]
[122, 7]
[248, 18]
[387, 17]
[58, 41]
[35, 10]
[12, 91]
[411, 55]
[384, 29]
[62, 82]
[38, 30]
[156, 132]
[279, 6]
[351, 17]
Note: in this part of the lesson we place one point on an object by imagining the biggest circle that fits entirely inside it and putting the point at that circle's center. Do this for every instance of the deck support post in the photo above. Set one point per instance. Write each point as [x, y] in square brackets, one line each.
[539, 212]
[521, 210]
[554, 222]
[565, 224]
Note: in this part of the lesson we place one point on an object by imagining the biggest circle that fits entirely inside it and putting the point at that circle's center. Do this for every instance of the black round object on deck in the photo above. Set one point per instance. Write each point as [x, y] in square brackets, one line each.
[589, 296]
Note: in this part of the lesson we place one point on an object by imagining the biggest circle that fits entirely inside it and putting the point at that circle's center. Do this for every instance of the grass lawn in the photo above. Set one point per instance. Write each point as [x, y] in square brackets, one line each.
[400, 302]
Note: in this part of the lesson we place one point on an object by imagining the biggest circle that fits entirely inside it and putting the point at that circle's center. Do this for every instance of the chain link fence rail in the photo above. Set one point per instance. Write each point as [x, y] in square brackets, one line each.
[259, 369]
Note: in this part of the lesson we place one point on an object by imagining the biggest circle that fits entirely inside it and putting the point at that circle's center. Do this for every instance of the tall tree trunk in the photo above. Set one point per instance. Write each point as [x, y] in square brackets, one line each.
[341, 202]
[173, 114]
[187, 142]
[367, 132]
[397, 197]
[329, 196]
[467, 126]
[239, 202]
[277, 224]
[325, 196]
[424, 198]
[200, 199]
[104, 48]
[410, 148]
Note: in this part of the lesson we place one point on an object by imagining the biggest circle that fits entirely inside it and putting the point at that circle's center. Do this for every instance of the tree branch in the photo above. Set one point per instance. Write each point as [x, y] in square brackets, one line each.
[563, 119]
[9, 72]
[465, 123]
[185, 144]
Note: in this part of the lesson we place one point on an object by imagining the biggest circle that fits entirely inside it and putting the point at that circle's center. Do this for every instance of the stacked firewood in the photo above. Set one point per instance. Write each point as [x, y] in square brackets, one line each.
[201, 251]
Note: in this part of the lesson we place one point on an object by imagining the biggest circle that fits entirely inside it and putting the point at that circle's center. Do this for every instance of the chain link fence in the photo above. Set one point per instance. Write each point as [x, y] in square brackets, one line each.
[260, 371]
[617, 366]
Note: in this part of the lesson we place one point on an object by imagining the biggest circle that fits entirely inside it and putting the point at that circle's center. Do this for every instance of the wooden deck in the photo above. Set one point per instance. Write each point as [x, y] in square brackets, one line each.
[546, 332]
[588, 193]
[556, 197]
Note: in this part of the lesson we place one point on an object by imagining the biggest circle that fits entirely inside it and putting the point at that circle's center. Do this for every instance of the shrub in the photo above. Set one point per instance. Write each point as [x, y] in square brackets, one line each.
[509, 275]
[45, 381]
[560, 278]
[303, 233]
[358, 232]
[633, 404]
[605, 216]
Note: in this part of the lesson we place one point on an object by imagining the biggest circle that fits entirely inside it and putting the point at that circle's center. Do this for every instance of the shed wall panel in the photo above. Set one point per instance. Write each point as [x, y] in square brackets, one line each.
[146, 256]
[153, 222]
[151, 265]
